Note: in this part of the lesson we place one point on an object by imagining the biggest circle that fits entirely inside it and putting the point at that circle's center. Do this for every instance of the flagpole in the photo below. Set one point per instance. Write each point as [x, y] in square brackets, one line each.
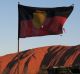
[18, 57]
[18, 50]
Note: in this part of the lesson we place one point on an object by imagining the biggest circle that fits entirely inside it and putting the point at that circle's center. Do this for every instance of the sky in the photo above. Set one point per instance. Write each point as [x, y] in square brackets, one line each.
[9, 26]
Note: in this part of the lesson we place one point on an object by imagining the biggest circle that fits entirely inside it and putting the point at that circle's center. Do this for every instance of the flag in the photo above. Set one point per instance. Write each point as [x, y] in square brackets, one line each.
[37, 21]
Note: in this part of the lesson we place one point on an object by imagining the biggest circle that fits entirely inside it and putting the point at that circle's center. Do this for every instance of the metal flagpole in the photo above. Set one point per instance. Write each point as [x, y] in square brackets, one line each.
[18, 49]
[18, 57]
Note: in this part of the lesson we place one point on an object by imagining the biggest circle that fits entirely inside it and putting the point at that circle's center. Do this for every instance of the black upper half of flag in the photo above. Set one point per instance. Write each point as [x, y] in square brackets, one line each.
[39, 21]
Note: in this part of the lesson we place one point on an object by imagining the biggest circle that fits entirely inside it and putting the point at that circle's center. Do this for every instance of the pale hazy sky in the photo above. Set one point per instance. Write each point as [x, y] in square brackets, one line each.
[9, 26]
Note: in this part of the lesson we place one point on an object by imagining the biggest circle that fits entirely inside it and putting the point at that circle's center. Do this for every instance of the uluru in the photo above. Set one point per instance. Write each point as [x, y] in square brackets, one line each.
[31, 61]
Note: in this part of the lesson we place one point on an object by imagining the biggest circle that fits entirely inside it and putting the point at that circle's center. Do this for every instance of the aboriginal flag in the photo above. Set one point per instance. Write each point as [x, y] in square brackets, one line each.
[37, 21]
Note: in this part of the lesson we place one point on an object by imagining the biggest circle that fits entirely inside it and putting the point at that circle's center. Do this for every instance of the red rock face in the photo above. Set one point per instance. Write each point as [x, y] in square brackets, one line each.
[33, 60]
